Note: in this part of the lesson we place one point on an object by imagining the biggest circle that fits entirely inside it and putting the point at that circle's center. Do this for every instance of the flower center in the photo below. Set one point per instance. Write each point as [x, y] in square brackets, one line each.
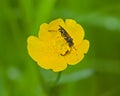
[61, 46]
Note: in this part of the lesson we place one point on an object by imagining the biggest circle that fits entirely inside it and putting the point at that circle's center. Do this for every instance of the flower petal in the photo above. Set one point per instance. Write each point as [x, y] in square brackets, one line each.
[54, 25]
[53, 62]
[43, 30]
[75, 31]
[39, 51]
[77, 53]
[44, 55]
[35, 48]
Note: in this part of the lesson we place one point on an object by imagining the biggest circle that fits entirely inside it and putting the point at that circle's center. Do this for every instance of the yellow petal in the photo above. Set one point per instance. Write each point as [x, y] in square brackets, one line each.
[75, 31]
[43, 32]
[52, 61]
[54, 25]
[77, 53]
[34, 46]
[43, 29]
[49, 32]
[45, 55]
[84, 46]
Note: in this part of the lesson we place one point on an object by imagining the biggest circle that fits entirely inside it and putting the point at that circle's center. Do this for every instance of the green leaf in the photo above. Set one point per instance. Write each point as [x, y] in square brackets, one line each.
[79, 75]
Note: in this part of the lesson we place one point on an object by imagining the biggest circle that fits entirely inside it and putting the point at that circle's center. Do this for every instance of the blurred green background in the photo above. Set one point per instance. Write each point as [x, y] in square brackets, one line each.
[97, 75]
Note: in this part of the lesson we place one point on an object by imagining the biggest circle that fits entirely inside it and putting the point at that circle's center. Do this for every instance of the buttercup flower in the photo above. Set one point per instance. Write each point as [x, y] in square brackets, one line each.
[58, 43]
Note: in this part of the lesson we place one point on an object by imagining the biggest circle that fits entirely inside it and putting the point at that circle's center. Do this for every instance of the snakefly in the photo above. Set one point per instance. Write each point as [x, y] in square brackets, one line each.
[66, 36]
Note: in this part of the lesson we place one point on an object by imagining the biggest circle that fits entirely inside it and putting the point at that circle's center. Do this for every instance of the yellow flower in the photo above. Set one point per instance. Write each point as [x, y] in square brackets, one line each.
[58, 43]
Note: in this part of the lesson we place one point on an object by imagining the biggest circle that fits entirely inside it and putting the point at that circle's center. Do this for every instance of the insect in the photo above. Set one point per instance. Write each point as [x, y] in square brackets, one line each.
[66, 36]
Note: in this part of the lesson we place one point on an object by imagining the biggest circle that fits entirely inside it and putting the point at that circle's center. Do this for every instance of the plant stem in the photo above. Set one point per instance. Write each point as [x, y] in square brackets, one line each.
[54, 89]
[58, 78]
